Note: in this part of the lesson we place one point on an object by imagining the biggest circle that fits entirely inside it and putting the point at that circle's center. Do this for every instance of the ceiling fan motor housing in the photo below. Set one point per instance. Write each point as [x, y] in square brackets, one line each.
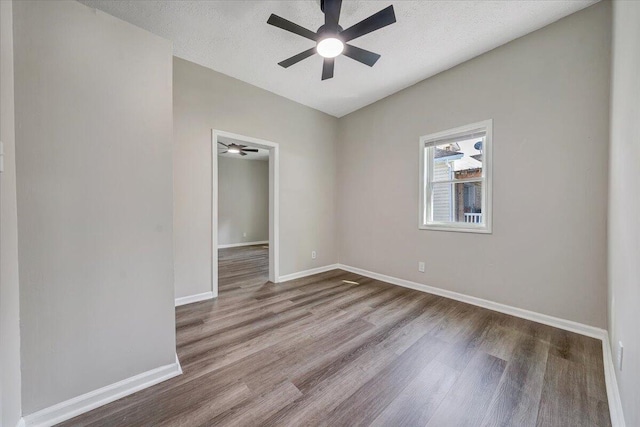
[325, 31]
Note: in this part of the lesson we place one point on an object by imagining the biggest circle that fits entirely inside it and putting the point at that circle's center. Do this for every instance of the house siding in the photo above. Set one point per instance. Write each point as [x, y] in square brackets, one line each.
[442, 194]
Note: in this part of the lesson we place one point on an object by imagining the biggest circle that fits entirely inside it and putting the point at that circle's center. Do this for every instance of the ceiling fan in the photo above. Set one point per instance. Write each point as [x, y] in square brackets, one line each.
[237, 149]
[331, 40]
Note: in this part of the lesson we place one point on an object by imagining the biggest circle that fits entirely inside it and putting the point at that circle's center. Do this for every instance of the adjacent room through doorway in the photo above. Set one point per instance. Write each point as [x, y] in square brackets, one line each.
[243, 213]
[244, 216]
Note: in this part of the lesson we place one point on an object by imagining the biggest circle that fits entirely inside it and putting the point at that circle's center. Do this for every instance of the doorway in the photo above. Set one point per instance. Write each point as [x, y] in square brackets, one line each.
[265, 148]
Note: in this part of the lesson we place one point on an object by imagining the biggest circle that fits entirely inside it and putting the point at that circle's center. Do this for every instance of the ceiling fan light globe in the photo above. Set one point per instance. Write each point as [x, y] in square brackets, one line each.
[330, 47]
[234, 151]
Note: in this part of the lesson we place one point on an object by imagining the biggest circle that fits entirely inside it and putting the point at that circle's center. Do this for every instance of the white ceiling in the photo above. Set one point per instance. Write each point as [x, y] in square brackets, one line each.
[430, 36]
[262, 154]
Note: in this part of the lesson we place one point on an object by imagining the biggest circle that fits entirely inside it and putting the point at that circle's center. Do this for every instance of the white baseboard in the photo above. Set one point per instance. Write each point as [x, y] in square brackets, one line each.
[236, 245]
[306, 273]
[194, 298]
[567, 325]
[84, 403]
[613, 393]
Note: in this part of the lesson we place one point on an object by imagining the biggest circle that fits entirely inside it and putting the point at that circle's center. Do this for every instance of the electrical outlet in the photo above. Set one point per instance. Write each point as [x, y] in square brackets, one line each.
[620, 354]
[421, 267]
[314, 255]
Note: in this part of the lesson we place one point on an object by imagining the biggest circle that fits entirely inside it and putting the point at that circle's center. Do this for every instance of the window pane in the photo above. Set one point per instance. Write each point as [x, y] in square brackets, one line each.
[458, 160]
[457, 202]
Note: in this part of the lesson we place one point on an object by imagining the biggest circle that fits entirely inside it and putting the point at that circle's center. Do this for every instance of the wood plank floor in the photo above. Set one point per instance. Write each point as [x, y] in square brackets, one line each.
[321, 351]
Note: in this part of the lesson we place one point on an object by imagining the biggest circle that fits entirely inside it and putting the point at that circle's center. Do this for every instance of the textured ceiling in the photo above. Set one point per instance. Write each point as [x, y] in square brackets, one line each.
[430, 36]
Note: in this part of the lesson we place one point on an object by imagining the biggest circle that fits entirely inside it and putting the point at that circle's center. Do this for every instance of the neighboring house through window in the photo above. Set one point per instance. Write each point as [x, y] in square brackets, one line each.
[455, 179]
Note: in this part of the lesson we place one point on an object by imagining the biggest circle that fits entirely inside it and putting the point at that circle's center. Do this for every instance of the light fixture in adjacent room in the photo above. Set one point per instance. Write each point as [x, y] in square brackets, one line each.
[237, 149]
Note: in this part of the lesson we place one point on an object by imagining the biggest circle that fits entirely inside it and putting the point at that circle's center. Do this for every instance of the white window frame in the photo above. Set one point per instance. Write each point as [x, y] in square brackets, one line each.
[426, 178]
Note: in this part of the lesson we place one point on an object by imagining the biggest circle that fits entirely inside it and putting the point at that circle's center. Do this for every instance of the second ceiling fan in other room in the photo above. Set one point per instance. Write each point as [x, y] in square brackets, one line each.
[237, 149]
[331, 40]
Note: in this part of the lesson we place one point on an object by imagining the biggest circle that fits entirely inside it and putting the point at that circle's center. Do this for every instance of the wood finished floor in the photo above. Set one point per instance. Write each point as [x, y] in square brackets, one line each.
[319, 351]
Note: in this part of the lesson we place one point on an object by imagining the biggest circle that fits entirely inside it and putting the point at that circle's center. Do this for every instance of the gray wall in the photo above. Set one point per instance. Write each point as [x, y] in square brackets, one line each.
[205, 100]
[243, 200]
[548, 96]
[93, 134]
[10, 409]
[624, 205]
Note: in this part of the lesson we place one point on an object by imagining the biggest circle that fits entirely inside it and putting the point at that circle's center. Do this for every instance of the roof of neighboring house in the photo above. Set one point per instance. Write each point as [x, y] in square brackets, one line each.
[478, 157]
[439, 153]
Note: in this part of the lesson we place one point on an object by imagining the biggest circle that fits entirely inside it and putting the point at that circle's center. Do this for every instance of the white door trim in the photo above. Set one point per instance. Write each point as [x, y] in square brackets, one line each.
[274, 203]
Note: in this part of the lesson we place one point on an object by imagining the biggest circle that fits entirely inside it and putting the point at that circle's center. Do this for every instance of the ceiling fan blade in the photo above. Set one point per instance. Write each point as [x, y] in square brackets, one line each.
[242, 153]
[376, 21]
[223, 152]
[361, 55]
[250, 150]
[332, 12]
[327, 68]
[297, 58]
[287, 25]
[222, 143]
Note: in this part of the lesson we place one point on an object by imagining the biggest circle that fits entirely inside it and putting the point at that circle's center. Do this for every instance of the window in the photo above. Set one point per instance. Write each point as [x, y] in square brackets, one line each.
[455, 179]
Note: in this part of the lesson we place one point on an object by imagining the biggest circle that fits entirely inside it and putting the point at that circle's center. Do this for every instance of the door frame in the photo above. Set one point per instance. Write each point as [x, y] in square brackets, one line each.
[274, 203]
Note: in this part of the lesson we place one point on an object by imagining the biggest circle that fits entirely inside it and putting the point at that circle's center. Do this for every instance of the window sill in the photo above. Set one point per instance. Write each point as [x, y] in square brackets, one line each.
[458, 229]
